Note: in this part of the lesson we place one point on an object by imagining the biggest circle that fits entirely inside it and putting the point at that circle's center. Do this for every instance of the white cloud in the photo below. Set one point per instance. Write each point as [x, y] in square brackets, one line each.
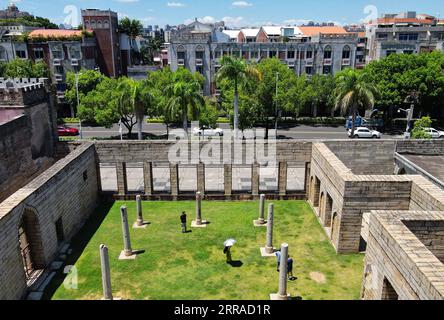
[241, 4]
[176, 4]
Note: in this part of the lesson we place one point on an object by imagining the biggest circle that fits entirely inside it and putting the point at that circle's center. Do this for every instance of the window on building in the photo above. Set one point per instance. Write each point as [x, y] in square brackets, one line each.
[3, 56]
[39, 53]
[309, 54]
[200, 69]
[93, 24]
[327, 70]
[346, 53]
[199, 55]
[225, 53]
[59, 70]
[217, 54]
[21, 54]
[309, 70]
[291, 54]
[327, 53]
[99, 24]
[272, 54]
[254, 54]
[390, 52]
[106, 24]
[408, 51]
[57, 52]
[181, 55]
[74, 52]
[382, 36]
[236, 53]
[87, 24]
[408, 36]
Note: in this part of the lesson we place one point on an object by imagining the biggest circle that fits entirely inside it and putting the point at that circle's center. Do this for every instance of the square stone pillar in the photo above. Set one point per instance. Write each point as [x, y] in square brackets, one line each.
[282, 178]
[122, 184]
[255, 176]
[148, 178]
[201, 178]
[228, 179]
[174, 179]
[307, 179]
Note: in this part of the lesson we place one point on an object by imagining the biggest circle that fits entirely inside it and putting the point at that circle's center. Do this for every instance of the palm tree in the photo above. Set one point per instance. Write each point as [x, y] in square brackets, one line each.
[185, 97]
[133, 28]
[237, 71]
[139, 95]
[353, 92]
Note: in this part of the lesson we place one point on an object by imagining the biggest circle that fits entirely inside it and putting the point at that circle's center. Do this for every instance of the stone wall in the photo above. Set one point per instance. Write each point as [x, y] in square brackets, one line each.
[17, 163]
[427, 147]
[67, 190]
[397, 263]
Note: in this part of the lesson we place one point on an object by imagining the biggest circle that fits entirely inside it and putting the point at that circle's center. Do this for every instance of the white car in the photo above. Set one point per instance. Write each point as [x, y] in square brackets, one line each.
[208, 132]
[436, 134]
[362, 132]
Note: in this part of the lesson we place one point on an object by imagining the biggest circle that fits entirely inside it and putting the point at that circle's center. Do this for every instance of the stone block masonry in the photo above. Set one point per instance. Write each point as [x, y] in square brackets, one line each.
[68, 191]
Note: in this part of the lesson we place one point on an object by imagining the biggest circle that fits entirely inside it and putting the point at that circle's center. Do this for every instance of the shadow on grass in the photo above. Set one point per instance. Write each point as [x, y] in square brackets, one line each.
[236, 264]
[79, 243]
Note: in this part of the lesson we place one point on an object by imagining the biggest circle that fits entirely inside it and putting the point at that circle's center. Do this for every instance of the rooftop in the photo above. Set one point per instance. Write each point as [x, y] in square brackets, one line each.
[55, 33]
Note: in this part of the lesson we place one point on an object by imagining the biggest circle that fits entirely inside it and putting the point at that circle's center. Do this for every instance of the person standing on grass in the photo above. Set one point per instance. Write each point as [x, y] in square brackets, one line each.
[290, 268]
[227, 251]
[278, 256]
[183, 220]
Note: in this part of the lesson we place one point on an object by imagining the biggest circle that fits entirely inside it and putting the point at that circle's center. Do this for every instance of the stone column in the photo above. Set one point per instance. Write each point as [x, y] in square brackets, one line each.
[198, 208]
[148, 178]
[269, 245]
[122, 185]
[127, 251]
[174, 179]
[262, 209]
[201, 178]
[139, 211]
[283, 271]
[228, 179]
[282, 294]
[106, 274]
[255, 176]
[282, 178]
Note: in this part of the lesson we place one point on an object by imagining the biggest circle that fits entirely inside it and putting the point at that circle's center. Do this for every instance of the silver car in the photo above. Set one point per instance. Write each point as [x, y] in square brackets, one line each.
[365, 133]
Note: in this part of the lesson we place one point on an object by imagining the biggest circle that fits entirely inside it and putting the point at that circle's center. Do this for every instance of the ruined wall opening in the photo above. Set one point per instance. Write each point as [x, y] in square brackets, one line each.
[31, 247]
[296, 176]
[214, 178]
[187, 179]
[316, 191]
[268, 178]
[241, 178]
[388, 292]
[334, 227]
[328, 210]
[321, 211]
[161, 178]
[108, 177]
[134, 177]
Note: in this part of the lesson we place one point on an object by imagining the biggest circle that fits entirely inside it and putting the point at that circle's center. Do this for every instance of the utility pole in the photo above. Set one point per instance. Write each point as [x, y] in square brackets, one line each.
[78, 104]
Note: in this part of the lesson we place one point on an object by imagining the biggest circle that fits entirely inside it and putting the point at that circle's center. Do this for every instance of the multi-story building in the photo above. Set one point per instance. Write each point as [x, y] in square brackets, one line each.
[63, 51]
[306, 50]
[105, 23]
[404, 33]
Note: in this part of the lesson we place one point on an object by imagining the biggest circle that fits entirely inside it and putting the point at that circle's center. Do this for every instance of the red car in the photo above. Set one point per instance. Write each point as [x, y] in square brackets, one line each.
[66, 131]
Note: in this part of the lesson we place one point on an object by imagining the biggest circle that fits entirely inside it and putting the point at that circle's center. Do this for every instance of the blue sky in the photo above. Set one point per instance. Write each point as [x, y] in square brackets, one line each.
[235, 12]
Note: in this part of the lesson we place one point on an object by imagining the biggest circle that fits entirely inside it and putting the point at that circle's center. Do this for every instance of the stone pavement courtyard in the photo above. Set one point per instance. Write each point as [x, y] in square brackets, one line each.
[192, 266]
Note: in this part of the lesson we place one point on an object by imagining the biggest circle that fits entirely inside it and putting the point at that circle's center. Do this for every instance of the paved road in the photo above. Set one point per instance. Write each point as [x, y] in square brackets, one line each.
[295, 132]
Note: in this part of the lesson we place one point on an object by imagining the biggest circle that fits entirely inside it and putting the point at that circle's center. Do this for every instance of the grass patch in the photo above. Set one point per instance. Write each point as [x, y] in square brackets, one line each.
[193, 267]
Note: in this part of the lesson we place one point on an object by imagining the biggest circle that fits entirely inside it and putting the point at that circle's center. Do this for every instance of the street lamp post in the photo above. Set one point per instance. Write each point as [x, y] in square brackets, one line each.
[78, 104]
[276, 111]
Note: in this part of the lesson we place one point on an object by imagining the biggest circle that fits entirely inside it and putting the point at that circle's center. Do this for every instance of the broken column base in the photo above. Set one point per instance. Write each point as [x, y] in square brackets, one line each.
[123, 256]
[202, 225]
[276, 296]
[143, 226]
[266, 253]
[259, 223]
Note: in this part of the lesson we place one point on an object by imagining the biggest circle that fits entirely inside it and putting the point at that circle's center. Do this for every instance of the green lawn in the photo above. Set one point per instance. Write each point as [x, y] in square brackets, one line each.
[193, 267]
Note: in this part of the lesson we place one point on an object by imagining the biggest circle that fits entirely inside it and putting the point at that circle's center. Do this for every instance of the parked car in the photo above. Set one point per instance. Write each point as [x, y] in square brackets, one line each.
[362, 133]
[208, 132]
[64, 131]
[436, 134]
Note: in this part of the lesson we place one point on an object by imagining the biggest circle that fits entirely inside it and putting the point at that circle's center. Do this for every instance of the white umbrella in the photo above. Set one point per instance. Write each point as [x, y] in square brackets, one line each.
[229, 243]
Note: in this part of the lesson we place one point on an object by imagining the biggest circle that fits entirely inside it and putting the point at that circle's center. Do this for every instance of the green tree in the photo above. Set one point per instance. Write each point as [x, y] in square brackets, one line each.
[318, 92]
[133, 28]
[185, 95]
[418, 131]
[354, 92]
[139, 95]
[21, 68]
[238, 72]
[87, 80]
[397, 75]
[209, 115]
[286, 96]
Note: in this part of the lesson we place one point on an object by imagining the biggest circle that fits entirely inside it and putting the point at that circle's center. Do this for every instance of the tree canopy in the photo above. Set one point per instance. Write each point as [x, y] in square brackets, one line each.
[23, 68]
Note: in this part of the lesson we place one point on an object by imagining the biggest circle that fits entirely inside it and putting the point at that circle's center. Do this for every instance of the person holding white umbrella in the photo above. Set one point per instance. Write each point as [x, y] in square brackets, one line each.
[227, 249]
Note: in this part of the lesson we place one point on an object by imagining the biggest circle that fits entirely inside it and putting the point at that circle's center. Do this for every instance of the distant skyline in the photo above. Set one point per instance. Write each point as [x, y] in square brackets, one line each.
[236, 13]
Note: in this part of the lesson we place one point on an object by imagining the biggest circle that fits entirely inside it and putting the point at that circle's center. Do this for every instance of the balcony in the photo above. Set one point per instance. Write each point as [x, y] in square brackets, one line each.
[181, 62]
[58, 77]
[57, 62]
[345, 62]
[328, 62]
[309, 62]
[199, 62]
[291, 64]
